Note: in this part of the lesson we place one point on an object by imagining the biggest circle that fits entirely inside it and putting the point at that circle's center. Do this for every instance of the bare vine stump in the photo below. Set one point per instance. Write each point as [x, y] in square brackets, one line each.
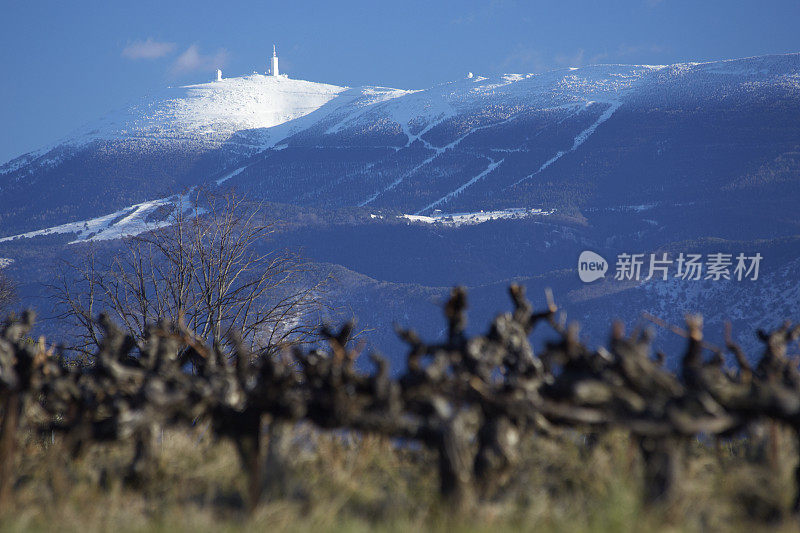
[796, 503]
[497, 454]
[248, 444]
[144, 462]
[774, 450]
[456, 461]
[663, 464]
[276, 465]
[8, 445]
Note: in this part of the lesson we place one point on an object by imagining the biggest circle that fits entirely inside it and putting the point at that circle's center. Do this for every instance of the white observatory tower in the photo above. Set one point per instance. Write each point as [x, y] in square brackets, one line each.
[274, 70]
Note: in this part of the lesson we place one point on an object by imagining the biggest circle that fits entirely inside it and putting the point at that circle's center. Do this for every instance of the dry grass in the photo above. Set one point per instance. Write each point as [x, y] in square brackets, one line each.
[345, 483]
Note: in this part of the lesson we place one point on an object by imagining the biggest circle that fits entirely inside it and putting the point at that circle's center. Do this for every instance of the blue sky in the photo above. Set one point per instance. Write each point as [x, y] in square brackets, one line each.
[65, 63]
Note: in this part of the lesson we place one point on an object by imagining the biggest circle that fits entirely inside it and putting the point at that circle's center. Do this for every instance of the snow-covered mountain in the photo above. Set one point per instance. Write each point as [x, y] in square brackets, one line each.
[507, 177]
[476, 143]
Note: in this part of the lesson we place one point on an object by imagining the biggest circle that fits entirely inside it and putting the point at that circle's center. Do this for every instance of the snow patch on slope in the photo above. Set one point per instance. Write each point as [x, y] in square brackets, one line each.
[370, 98]
[126, 222]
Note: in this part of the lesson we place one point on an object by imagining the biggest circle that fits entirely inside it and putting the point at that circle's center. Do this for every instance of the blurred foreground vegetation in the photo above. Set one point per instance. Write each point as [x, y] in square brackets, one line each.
[347, 482]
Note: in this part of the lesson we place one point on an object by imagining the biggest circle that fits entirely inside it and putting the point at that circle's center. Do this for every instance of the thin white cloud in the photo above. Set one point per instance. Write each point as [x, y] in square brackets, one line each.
[148, 49]
[640, 49]
[192, 60]
[579, 59]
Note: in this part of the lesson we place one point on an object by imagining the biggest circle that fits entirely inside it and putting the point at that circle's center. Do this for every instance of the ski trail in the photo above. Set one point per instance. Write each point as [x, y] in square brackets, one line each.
[429, 127]
[437, 153]
[399, 180]
[579, 139]
[446, 198]
[411, 138]
[228, 176]
[494, 164]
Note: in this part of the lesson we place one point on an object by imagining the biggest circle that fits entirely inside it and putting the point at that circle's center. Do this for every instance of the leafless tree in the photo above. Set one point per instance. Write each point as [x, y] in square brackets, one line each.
[205, 267]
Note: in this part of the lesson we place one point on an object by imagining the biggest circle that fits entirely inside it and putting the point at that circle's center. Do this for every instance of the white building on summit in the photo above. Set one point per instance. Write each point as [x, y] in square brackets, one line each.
[274, 68]
[272, 71]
